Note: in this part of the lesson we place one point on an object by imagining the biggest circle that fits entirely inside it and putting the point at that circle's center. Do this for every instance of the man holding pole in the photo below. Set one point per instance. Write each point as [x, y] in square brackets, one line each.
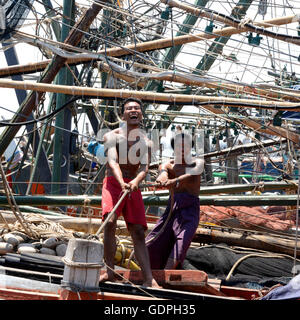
[128, 157]
[172, 235]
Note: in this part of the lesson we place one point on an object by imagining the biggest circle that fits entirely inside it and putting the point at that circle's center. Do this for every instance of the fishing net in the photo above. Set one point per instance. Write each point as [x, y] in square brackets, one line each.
[13, 13]
[256, 270]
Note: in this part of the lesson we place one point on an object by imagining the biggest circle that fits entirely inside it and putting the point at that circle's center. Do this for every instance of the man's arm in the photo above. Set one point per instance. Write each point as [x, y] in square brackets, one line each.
[163, 173]
[110, 142]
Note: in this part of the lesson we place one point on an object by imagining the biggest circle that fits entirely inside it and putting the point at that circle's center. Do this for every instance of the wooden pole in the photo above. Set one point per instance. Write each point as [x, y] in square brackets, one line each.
[257, 241]
[153, 97]
[164, 98]
[241, 149]
[166, 43]
[112, 212]
[269, 129]
[271, 93]
[140, 80]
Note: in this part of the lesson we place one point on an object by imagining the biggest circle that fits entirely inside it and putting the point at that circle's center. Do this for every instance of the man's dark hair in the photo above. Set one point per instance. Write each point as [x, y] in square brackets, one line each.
[183, 137]
[129, 100]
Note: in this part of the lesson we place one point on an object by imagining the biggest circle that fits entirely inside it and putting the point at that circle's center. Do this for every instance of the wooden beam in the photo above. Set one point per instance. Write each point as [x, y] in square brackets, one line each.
[140, 81]
[153, 97]
[248, 240]
[258, 127]
[234, 188]
[162, 98]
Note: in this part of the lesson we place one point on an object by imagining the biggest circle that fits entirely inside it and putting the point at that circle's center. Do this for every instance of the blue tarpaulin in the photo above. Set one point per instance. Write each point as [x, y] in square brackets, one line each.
[289, 291]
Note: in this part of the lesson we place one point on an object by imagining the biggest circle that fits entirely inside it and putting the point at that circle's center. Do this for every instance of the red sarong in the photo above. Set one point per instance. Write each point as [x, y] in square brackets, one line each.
[132, 207]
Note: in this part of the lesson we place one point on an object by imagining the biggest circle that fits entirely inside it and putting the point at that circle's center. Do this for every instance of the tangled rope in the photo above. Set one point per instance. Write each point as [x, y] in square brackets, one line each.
[42, 227]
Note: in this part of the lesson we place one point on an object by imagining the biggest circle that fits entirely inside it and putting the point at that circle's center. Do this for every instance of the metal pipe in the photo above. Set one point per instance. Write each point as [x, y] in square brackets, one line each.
[155, 200]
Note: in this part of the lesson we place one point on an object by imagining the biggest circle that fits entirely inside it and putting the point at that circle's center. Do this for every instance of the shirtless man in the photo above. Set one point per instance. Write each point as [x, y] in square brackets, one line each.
[128, 154]
[171, 237]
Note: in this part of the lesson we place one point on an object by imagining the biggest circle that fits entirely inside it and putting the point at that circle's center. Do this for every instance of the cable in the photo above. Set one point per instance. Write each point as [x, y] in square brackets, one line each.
[264, 255]
[12, 124]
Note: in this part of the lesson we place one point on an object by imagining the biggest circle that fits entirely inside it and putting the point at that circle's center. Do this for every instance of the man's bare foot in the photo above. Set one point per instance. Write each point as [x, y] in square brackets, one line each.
[151, 283]
[106, 277]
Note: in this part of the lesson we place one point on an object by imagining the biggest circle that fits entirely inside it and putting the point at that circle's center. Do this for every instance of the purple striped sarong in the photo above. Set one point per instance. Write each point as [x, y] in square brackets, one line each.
[177, 235]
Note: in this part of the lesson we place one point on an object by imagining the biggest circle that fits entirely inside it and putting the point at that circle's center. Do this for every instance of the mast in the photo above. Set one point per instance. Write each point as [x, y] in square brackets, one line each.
[61, 147]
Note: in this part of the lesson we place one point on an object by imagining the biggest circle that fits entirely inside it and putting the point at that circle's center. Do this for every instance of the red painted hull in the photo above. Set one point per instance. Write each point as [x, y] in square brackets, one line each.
[21, 294]
[192, 281]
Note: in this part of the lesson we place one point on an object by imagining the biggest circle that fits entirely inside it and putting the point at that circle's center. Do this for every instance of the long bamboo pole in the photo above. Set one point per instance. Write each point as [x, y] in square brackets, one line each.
[163, 98]
[150, 45]
[167, 98]
[146, 96]
[234, 188]
[269, 129]
[241, 149]
[165, 43]
[258, 241]
[140, 81]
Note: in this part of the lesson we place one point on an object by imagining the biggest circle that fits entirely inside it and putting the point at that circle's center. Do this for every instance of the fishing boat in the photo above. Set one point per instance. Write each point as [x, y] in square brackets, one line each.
[225, 73]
